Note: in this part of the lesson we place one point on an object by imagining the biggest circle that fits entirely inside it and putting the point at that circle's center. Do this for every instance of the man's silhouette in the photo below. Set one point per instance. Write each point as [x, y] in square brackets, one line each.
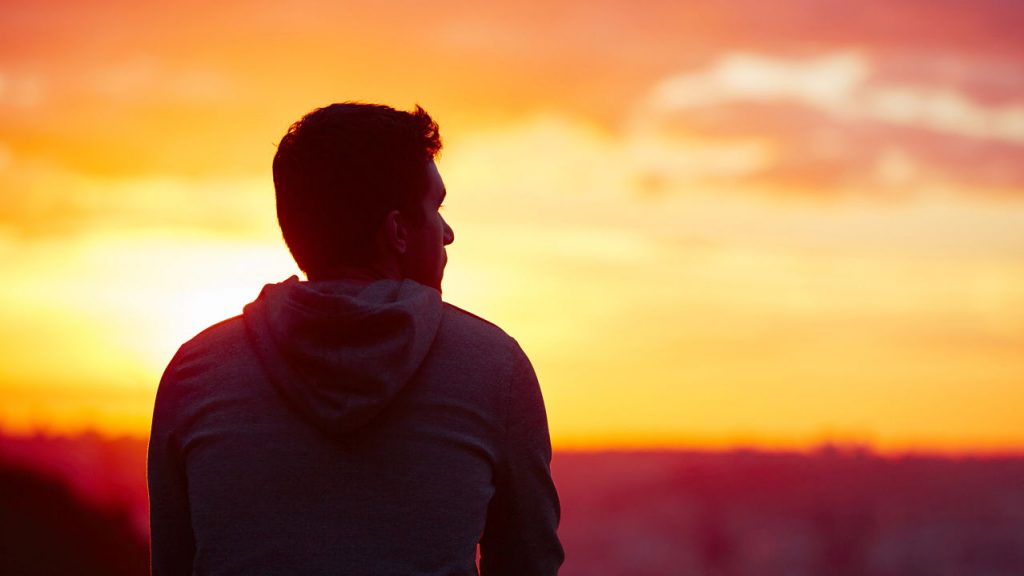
[354, 423]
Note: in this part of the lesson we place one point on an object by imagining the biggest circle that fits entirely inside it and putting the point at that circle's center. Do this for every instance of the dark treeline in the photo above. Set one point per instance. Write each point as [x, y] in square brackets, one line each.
[46, 530]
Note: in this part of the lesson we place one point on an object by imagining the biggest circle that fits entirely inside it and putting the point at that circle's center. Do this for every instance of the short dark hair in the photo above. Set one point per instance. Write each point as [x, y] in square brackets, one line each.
[340, 169]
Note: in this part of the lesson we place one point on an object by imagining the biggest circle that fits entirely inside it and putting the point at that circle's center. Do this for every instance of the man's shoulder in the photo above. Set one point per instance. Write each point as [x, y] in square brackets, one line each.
[470, 334]
[474, 326]
[213, 346]
[199, 366]
[478, 347]
[227, 332]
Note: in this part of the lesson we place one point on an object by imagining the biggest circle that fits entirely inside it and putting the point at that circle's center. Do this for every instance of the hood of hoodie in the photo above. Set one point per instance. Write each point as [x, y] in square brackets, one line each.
[340, 351]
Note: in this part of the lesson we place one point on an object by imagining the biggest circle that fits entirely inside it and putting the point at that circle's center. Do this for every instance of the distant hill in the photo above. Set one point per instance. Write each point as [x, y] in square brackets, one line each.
[737, 513]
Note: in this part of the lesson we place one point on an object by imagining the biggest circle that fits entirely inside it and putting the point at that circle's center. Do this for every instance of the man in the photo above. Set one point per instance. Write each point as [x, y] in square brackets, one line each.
[354, 423]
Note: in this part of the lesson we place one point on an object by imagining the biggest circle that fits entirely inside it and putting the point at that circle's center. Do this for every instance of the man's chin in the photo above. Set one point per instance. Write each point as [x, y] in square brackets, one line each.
[440, 273]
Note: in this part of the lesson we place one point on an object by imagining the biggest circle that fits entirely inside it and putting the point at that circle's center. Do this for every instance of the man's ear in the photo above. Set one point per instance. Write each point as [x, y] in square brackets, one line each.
[394, 233]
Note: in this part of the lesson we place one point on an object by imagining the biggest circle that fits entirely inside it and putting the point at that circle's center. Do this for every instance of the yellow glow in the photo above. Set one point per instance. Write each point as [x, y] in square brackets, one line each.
[736, 247]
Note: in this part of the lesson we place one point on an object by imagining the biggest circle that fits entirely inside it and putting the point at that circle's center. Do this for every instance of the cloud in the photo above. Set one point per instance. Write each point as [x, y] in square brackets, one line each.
[940, 109]
[823, 81]
[42, 200]
[838, 84]
[147, 79]
[830, 125]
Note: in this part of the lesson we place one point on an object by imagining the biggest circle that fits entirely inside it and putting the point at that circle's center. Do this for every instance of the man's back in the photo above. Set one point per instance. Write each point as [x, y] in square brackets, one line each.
[351, 428]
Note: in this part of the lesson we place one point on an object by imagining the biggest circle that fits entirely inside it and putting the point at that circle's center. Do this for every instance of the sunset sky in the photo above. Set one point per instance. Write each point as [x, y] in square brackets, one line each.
[709, 224]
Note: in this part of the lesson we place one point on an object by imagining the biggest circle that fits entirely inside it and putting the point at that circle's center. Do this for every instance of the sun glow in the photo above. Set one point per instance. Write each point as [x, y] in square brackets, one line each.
[702, 240]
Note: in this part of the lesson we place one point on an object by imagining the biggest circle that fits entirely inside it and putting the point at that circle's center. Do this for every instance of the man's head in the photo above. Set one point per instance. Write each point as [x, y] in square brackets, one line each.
[357, 189]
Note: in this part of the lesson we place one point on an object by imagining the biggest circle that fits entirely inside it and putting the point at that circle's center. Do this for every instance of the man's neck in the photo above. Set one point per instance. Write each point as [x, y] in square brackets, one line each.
[357, 274]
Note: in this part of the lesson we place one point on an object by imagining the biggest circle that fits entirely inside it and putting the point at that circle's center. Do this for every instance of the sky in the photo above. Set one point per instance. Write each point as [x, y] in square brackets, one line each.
[709, 224]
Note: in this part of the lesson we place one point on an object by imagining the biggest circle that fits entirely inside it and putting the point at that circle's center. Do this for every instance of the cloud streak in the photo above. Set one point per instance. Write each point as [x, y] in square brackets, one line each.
[839, 84]
[830, 124]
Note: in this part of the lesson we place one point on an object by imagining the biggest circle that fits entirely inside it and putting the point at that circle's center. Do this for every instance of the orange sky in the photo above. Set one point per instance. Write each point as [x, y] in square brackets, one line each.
[768, 224]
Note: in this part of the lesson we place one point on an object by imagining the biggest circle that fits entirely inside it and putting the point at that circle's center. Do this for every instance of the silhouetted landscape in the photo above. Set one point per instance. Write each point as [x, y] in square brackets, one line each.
[47, 529]
[78, 506]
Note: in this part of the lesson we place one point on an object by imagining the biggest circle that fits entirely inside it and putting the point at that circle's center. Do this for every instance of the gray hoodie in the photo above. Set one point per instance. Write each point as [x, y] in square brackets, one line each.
[351, 428]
